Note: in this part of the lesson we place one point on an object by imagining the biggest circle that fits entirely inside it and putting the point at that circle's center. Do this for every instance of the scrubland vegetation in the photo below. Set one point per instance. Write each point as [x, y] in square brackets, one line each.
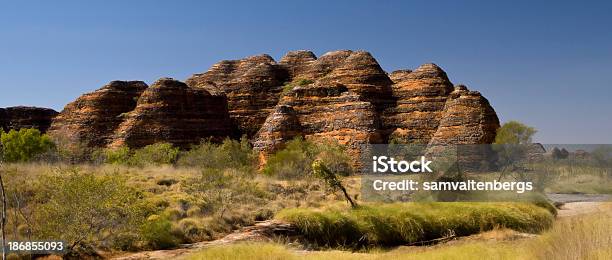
[159, 196]
[156, 197]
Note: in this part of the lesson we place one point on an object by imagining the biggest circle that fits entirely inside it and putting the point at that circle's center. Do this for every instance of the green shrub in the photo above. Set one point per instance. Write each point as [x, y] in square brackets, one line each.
[192, 230]
[297, 82]
[174, 213]
[166, 181]
[24, 145]
[395, 224]
[84, 209]
[117, 155]
[217, 192]
[514, 132]
[229, 154]
[154, 154]
[295, 160]
[157, 233]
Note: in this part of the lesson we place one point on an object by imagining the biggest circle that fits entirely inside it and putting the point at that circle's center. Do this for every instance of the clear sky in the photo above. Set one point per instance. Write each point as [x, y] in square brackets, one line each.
[546, 64]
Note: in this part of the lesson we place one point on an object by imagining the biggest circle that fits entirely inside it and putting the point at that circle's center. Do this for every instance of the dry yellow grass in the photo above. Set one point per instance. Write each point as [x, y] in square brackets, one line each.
[578, 237]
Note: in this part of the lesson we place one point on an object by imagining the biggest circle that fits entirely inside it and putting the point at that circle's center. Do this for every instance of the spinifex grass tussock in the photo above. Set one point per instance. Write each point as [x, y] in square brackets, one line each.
[407, 223]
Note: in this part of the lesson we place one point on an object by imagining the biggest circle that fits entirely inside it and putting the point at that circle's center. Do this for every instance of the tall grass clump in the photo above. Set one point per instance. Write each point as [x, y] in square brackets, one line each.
[405, 223]
[580, 237]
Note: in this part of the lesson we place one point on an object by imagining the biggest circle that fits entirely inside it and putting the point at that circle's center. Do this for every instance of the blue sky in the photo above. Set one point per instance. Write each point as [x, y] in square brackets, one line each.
[546, 64]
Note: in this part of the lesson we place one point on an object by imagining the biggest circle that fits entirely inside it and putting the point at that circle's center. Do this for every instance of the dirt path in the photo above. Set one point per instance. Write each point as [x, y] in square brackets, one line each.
[578, 208]
[578, 204]
[263, 231]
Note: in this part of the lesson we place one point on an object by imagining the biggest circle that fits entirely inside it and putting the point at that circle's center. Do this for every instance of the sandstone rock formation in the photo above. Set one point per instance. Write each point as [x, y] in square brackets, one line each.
[467, 118]
[340, 101]
[252, 86]
[93, 118]
[134, 114]
[26, 117]
[170, 111]
[344, 96]
[281, 126]
[350, 99]
[420, 99]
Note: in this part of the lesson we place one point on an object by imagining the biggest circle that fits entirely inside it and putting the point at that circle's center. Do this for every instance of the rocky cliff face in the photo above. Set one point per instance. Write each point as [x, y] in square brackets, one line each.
[420, 97]
[134, 114]
[281, 126]
[26, 117]
[252, 86]
[93, 118]
[350, 99]
[467, 118]
[335, 97]
[344, 96]
[170, 111]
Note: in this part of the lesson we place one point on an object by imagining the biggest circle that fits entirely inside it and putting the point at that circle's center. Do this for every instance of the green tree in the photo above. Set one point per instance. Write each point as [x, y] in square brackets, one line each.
[155, 154]
[511, 146]
[564, 153]
[602, 155]
[559, 154]
[320, 171]
[556, 153]
[295, 160]
[514, 132]
[24, 145]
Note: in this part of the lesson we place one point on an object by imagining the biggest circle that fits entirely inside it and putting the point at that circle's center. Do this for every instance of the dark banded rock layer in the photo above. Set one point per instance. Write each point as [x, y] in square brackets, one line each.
[15, 118]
